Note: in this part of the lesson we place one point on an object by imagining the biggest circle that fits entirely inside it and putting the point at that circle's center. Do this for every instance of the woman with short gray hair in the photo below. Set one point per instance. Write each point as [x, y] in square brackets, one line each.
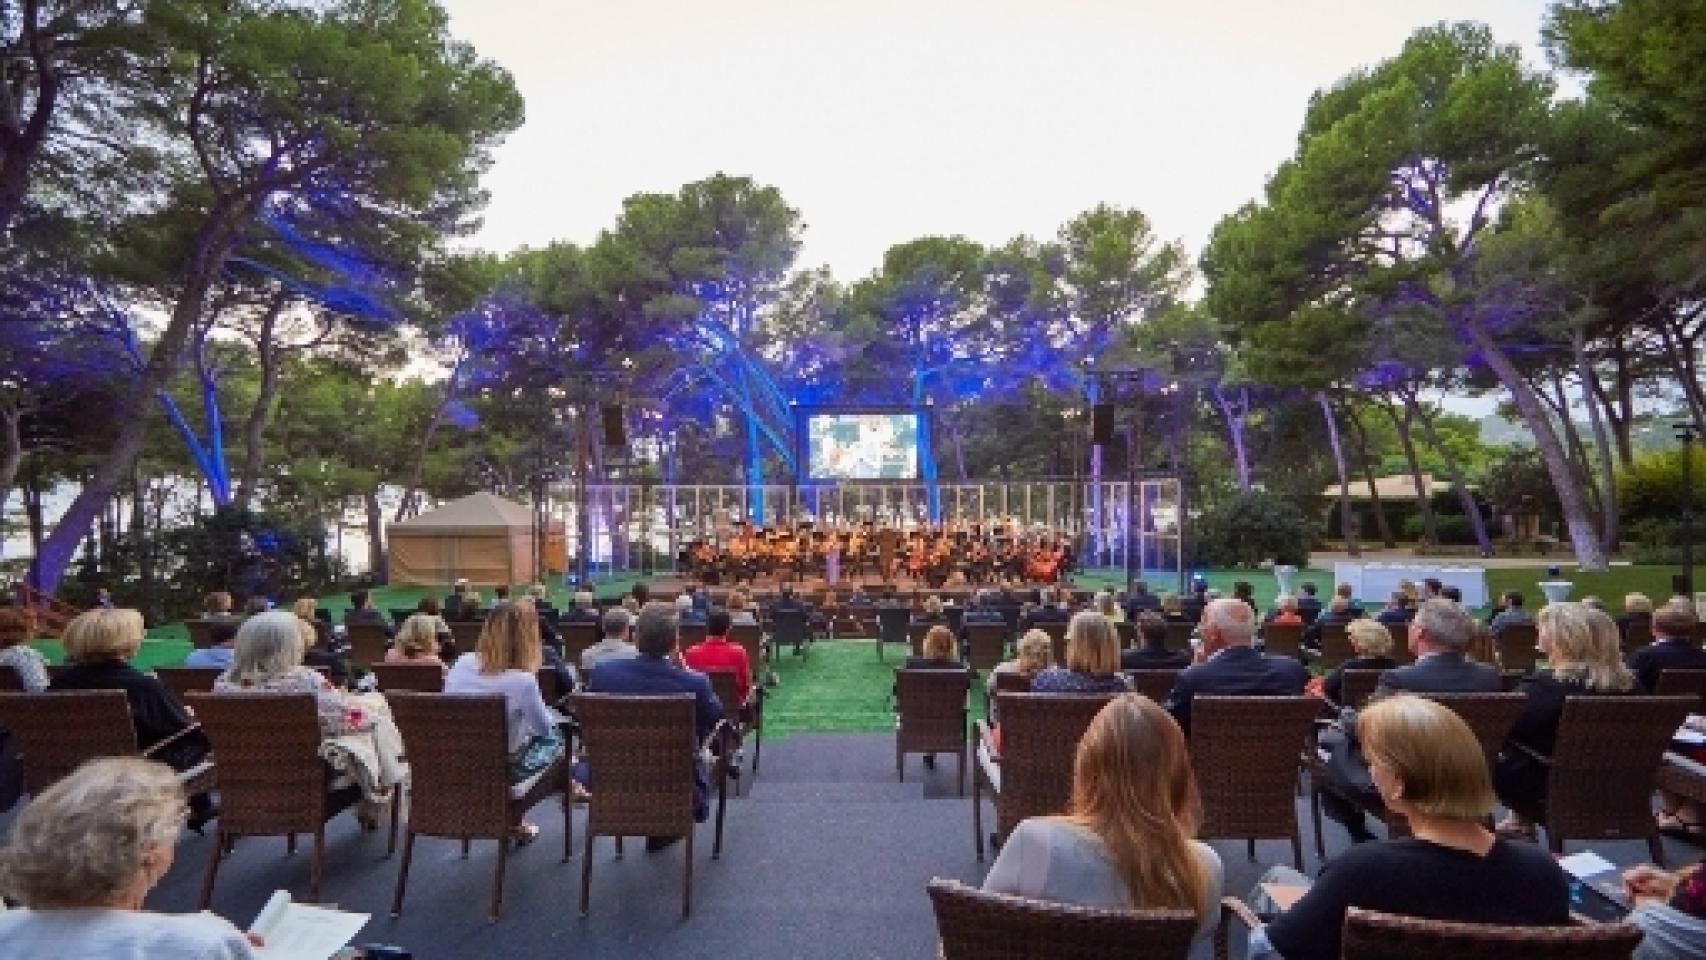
[268, 659]
[83, 856]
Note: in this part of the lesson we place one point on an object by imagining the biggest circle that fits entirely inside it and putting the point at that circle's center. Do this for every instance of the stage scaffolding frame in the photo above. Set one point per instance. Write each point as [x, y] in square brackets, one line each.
[643, 527]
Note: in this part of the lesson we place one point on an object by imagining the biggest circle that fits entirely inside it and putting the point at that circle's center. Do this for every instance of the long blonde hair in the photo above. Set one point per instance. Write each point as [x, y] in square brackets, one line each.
[1582, 643]
[1092, 644]
[1132, 785]
[510, 638]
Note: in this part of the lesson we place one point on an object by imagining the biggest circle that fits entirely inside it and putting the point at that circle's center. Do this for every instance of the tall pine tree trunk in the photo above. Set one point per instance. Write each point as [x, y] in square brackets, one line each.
[1464, 497]
[1424, 496]
[255, 426]
[1608, 530]
[377, 568]
[1235, 414]
[1380, 521]
[1346, 526]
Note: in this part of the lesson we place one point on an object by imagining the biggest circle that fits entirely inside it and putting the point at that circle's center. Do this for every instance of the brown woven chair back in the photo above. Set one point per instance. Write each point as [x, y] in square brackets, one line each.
[915, 637]
[420, 677]
[550, 685]
[458, 748]
[1039, 736]
[640, 758]
[688, 634]
[1514, 646]
[1684, 683]
[1607, 756]
[57, 732]
[271, 777]
[57, 670]
[1245, 752]
[10, 679]
[976, 925]
[931, 705]
[1155, 684]
[201, 633]
[1640, 634]
[1680, 777]
[1335, 646]
[1008, 682]
[1283, 639]
[750, 637]
[723, 685]
[986, 645]
[577, 636]
[1356, 686]
[186, 680]
[1128, 633]
[1371, 935]
[367, 644]
[1179, 635]
[1400, 633]
[1489, 715]
[466, 633]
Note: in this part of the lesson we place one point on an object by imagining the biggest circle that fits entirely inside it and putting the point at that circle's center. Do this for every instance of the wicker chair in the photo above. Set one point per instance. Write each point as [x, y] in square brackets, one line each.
[1128, 633]
[418, 677]
[1514, 646]
[57, 732]
[201, 633]
[1156, 684]
[931, 717]
[1371, 935]
[1179, 635]
[1356, 686]
[1683, 777]
[1400, 633]
[577, 636]
[1686, 683]
[1032, 775]
[1283, 639]
[186, 680]
[986, 644]
[915, 637]
[640, 756]
[892, 624]
[790, 628]
[688, 634]
[1640, 634]
[1603, 769]
[272, 781]
[975, 925]
[1335, 646]
[1244, 751]
[743, 716]
[458, 749]
[367, 642]
[466, 633]
[750, 637]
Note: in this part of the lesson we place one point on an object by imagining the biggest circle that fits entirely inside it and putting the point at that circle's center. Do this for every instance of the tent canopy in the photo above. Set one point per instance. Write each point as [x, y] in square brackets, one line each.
[485, 538]
[1400, 487]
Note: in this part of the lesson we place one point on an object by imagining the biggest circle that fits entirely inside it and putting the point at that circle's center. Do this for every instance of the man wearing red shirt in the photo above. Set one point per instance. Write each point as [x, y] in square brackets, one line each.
[715, 652]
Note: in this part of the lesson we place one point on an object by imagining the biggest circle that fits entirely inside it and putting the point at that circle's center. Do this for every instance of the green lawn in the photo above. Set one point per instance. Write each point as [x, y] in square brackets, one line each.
[839, 686]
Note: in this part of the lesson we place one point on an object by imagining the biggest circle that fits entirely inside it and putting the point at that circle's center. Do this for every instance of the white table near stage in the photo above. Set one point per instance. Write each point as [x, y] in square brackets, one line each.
[1373, 583]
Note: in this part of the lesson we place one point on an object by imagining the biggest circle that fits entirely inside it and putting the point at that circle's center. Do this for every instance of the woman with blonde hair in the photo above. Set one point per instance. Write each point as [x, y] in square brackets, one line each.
[1031, 655]
[1172, 607]
[1372, 644]
[1104, 604]
[1126, 841]
[1092, 659]
[320, 646]
[1427, 766]
[100, 645]
[83, 856]
[1582, 657]
[417, 642]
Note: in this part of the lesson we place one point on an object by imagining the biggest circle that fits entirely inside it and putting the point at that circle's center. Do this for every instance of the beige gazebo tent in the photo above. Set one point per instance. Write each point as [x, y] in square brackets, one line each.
[487, 539]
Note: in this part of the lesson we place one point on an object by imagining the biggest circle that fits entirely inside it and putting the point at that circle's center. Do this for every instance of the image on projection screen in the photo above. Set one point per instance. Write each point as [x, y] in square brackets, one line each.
[863, 446]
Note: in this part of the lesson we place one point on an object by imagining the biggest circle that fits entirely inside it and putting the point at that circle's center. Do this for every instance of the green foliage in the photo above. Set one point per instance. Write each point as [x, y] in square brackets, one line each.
[1518, 482]
[1454, 528]
[1651, 488]
[1249, 530]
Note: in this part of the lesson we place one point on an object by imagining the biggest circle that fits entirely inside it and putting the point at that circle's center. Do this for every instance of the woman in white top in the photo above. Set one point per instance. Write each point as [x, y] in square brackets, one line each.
[268, 659]
[1126, 842]
[84, 854]
[506, 662]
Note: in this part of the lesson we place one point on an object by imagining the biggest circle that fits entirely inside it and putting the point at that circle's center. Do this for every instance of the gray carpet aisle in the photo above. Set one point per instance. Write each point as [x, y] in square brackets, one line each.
[826, 856]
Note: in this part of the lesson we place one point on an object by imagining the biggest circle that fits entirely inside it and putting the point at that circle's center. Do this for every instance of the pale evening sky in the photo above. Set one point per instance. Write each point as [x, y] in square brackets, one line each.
[885, 120]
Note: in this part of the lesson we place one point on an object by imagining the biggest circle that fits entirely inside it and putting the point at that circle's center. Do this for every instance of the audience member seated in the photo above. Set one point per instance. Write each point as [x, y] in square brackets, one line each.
[1243, 592]
[1582, 657]
[441, 629]
[1670, 908]
[1092, 659]
[1427, 766]
[222, 639]
[216, 606]
[16, 626]
[456, 605]
[641, 593]
[1343, 591]
[417, 642]
[1308, 604]
[99, 645]
[361, 611]
[320, 645]
[506, 662]
[1031, 656]
[1173, 608]
[939, 652]
[700, 600]
[983, 610]
[1225, 663]
[82, 858]
[1451, 592]
[1149, 648]
[1049, 610]
[1140, 600]
[787, 602]
[1103, 603]
[1637, 611]
[932, 612]
[1284, 612]
[1372, 646]
[1397, 610]
[656, 670]
[582, 609]
[741, 613]
[268, 659]
[1432, 587]
[1674, 646]
[256, 604]
[1509, 613]
[614, 644]
[715, 652]
[1125, 842]
[1339, 612]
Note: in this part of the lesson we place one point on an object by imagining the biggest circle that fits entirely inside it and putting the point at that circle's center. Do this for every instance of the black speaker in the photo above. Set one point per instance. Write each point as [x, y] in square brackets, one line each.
[1102, 423]
[615, 426]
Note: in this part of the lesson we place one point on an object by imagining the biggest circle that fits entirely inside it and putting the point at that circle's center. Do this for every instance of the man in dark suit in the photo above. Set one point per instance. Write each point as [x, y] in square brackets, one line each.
[1140, 600]
[1510, 612]
[1673, 646]
[1308, 604]
[361, 612]
[582, 610]
[454, 601]
[1439, 633]
[1150, 651]
[657, 669]
[1227, 664]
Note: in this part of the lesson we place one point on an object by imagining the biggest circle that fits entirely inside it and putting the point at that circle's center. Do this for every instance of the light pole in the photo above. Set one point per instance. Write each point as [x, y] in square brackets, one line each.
[1686, 433]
